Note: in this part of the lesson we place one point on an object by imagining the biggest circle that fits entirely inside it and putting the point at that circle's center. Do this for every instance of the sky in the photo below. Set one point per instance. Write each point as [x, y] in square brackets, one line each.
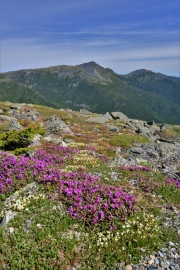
[124, 35]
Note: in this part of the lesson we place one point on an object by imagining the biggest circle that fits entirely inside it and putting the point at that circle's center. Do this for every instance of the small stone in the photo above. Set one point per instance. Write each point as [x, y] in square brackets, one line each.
[157, 261]
[11, 230]
[152, 256]
[172, 267]
[122, 265]
[172, 254]
[128, 267]
[135, 267]
[163, 249]
[151, 268]
[161, 254]
[150, 262]
[164, 265]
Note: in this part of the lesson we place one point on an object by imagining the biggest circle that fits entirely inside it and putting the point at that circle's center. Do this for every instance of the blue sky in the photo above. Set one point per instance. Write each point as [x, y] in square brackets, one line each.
[124, 35]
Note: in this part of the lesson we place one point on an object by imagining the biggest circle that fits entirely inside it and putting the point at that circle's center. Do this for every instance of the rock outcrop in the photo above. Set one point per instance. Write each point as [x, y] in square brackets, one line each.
[54, 125]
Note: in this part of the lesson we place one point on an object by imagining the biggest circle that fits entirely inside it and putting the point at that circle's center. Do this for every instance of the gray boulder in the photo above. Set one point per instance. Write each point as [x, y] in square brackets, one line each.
[8, 217]
[32, 115]
[163, 127]
[113, 128]
[99, 119]
[84, 112]
[53, 139]
[54, 125]
[13, 125]
[36, 140]
[119, 116]
[9, 214]
[15, 106]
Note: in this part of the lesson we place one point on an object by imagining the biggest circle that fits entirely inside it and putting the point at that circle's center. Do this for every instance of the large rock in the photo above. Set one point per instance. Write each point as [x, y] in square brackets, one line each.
[8, 217]
[25, 114]
[54, 139]
[164, 156]
[119, 116]
[150, 130]
[9, 214]
[54, 125]
[32, 115]
[100, 118]
[16, 106]
[36, 140]
[13, 125]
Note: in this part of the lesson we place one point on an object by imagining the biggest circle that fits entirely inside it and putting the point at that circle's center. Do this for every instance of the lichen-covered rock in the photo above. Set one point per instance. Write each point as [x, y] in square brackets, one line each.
[8, 217]
[36, 140]
[55, 140]
[54, 125]
[15, 106]
[119, 116]
[113, 128]
[9, 214]
[99, 119]
[13, 125]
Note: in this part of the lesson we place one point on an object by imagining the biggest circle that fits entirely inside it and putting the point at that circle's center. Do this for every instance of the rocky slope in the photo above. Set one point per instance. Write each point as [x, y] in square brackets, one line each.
[43, 149]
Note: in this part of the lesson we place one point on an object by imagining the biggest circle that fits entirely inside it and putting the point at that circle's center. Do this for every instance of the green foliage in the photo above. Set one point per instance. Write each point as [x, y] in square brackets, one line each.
[166, 192]
[42, 239]
[127, 140]
[19, 151]
[126, 241]
[13, 139]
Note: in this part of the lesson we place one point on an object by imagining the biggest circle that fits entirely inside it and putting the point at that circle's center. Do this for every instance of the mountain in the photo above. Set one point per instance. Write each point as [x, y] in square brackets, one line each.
[14, 91]
[141, 94]
[157, 83]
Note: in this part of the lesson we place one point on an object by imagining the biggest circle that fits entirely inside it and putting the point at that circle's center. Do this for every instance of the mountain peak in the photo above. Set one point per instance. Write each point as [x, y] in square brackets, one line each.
[90, 64]
[140, 71]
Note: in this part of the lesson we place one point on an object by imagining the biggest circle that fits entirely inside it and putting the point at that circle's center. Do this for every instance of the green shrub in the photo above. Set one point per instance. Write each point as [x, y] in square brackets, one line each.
[13, 139]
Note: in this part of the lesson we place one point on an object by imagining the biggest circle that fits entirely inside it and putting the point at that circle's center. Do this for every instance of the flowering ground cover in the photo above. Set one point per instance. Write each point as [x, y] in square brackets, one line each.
[85, 214]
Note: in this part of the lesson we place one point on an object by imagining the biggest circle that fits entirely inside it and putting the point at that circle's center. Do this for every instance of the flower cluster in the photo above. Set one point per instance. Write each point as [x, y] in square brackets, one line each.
[139, 229]
[173, 182]
[20, 203]
[94, 202]
[135, 168]
[44, 166]
[84, 159]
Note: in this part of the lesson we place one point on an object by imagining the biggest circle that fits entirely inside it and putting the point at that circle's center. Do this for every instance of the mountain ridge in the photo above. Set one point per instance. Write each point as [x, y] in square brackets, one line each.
[140, 94]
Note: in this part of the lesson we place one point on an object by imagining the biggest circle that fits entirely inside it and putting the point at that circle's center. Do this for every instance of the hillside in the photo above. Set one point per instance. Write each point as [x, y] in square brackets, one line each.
[80, 190]
[13, 91]
[141, 94]
[157, 83]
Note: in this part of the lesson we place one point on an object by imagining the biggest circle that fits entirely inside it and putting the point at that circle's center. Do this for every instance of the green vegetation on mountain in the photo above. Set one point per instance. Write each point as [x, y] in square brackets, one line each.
[13, 91]
[141, 94]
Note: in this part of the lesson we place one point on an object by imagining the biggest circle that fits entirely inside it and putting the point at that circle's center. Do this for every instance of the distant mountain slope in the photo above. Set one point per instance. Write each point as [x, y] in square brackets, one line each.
[141, 94]
[160, 84]
[13, 91]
